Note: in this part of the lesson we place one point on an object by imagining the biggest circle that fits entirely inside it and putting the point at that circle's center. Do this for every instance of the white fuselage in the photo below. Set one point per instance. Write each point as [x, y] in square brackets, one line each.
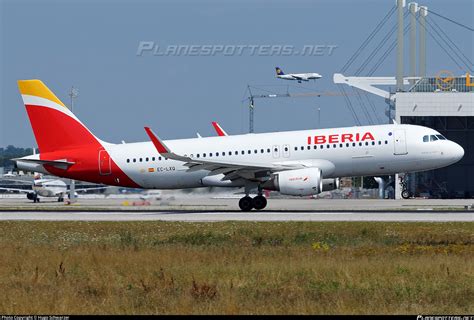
[338, 152]
[299, 76]
[50, 187]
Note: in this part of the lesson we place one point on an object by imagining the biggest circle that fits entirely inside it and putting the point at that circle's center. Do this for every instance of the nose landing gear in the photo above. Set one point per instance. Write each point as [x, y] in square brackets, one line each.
[406, 194]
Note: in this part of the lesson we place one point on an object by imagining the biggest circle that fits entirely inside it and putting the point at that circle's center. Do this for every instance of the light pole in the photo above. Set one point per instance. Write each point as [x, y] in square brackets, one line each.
[72, 190]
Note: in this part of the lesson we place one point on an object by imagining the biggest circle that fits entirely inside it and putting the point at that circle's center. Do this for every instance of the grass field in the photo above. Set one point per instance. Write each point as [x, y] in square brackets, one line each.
[236, 268]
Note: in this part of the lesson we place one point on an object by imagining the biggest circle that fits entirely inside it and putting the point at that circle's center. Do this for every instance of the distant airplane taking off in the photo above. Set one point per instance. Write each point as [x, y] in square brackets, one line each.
[297, 76]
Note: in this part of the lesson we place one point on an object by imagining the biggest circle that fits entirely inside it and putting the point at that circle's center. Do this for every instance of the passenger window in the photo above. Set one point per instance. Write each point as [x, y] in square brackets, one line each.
[159, 158]
[153, 159]
[302, 148]
[197, 155]
[141, 159]
[296, 148]
[128, 160]
[328, 146]
[386, 142]
[210, 154]
[286, 148]
[321, 146]
[380, 142]
[309, 148]
[347, 144]
[334, 145]
[367, 143]
[341, 145]
[147, 159]
[268, 150]
[255, 151]
[249, 152]
[315, 147]
[276, 149]
[373, 143]
[243, 152]
[217, 154]
[360, 144]
[203, 155]
[353, 144]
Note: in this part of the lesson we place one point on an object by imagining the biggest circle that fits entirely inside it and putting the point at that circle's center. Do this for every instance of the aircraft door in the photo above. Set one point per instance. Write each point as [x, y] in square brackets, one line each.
[276, 151]
[104, 163]
[400, 142]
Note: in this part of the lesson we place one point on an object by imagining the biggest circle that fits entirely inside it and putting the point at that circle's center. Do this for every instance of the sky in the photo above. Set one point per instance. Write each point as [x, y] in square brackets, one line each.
[92, 45]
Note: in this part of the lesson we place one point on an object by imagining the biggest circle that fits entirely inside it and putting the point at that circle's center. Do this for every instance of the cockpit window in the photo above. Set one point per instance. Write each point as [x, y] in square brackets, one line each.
[433, 138]
[440, 137]
[426, 138]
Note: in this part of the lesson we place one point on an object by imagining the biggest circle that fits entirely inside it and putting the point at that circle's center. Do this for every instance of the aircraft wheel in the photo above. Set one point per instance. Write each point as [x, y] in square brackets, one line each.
[246, 203]
[406, 194]
[259, 202]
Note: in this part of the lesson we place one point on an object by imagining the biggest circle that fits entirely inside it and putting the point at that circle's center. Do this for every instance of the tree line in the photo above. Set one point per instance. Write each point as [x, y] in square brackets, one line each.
[11, 152]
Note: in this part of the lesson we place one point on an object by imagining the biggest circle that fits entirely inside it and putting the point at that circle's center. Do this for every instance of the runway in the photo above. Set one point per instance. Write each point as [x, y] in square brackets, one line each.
[225, 209]
[210, 216]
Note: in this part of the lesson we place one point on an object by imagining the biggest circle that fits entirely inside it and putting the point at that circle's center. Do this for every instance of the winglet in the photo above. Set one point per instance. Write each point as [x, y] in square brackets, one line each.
[163, 149]
[219, 130]
[159, 145]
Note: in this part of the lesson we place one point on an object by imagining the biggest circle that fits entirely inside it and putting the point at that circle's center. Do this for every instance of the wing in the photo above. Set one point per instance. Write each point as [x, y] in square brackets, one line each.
[17, 190]
[231, 170]
[88, 189]
[19, 181]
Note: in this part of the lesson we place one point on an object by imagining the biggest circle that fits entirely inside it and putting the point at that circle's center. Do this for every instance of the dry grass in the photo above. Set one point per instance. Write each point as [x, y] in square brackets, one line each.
[235, 268]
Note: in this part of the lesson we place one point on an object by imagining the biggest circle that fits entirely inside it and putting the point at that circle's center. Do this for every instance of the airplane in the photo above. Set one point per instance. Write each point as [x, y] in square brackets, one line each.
[298, 163]
[297, 76]
[45, 188]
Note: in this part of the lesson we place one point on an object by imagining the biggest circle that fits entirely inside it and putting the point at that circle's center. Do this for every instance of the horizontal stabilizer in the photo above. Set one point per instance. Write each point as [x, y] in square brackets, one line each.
[61, 164]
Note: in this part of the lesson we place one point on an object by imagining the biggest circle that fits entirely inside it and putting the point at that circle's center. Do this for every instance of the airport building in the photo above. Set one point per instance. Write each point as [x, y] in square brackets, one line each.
[444, 102]
[447, 107]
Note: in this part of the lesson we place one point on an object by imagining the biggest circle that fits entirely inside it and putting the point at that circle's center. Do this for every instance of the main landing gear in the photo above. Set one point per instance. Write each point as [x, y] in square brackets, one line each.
[247, 203]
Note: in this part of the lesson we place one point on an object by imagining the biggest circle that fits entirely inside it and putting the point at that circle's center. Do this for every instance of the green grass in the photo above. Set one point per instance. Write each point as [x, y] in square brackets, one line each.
[236, 267]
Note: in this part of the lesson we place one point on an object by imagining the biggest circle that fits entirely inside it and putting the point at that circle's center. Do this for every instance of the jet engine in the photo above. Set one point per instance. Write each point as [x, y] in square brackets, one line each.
[298, 182]
[330, 184]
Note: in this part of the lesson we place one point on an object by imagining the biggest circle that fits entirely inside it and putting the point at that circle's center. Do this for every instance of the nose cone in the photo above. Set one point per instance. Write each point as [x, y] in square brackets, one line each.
[456, 152]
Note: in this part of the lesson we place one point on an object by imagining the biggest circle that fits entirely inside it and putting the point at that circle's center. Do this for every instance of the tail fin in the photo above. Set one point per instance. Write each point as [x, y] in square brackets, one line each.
[279, 71]
[54, 125]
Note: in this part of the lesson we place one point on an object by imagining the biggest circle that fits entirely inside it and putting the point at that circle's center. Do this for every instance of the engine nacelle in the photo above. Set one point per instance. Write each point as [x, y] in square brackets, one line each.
[330, 184]
[298, 182]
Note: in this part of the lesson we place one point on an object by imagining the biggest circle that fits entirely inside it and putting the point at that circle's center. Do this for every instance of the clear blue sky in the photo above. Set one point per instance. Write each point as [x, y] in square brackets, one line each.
[92, 45]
